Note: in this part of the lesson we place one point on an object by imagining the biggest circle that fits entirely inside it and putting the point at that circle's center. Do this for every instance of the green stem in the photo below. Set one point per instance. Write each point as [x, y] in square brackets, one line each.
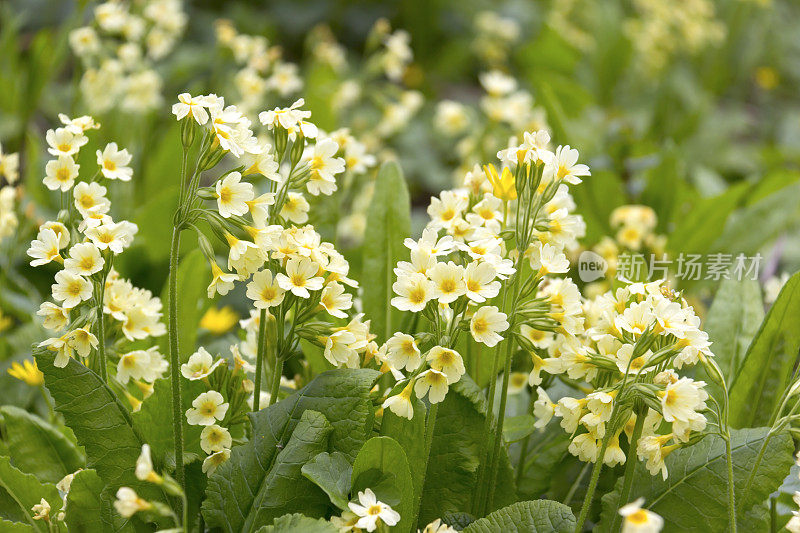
[630, 465]
[262, 341]
[587, 501]
[430, 426]
[175, 361]
[101, 331]
[498, 430]
[731, 492]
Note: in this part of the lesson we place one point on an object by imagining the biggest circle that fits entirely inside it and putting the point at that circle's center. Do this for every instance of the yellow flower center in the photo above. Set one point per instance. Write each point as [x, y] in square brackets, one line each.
[374, 510]
[479, 326]
[639, 517]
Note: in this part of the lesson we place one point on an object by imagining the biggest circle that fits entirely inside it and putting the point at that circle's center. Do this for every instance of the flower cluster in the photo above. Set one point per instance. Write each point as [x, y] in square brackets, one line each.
[467, 253]
[120, 48]
[659, 33]
[636, 340]
[635, 227]
[84, 241]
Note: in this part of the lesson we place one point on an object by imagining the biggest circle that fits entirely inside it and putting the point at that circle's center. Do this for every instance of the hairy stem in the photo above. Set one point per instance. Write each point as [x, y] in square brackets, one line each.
[630, 465]
[731, 493]
[498, 430]
[587, 501]
[430, 426]
[175, 360]
[101, 332]
[262, 341]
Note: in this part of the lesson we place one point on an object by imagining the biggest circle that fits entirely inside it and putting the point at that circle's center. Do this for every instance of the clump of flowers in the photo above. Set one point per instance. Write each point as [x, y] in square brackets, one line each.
[120, 50]
[637, 340]
[90, 300]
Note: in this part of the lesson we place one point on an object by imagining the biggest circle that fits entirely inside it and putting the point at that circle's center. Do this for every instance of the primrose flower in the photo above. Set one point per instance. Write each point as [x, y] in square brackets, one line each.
[61, 173]
[190, 105]
[485, 324]
[206, 409]
[370, 511]
[71, 289]
[114, 162]
[215, 438]
[400, 404]
[300, 277]
[639, 520]
[402, 351]
[264, 290]
[233, 195]
[27, 372]
[200, 365]
[128, 503]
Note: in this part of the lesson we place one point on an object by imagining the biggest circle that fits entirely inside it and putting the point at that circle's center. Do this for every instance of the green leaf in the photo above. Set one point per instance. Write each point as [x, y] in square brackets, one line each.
[731, 324]
[546, 450]
[297, 523]
[87, 511]
[410, 434]
[6, 526]
[702, 223]
[193, 278]
[39, 448]
[285, 489]
[516, 428]
[382, 466]
[531, 517]
[101, 423]
[456, 454]
[154, 421]
[388, 223]
[769, 216]
[695, 495]
[331, 472]
[341, 395]
[26, 491]
[770, 359]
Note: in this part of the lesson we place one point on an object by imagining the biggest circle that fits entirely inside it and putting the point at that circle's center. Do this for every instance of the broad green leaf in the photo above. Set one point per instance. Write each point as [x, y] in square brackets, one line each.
[595, 200]
[695, 495]
[410, 434]
[26, 491]
[101, 423]
[770, 359]
[537, 516]
[87, 511]
[456, 454]
[193, 278]
[39, 448]
[331, 472]
[516, 428]
[297, 523]
[285, 490]
[388, 223]
[731, 324]
[342, 396]
[154, 421]
[382, 466]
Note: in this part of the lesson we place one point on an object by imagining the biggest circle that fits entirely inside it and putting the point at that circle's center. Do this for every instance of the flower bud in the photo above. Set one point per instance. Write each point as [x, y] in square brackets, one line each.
[298, 146]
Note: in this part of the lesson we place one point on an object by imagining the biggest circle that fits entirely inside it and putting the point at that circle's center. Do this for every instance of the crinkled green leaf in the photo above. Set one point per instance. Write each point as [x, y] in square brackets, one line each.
[26, 491]
[388, 223]
[6, 526]
[297, 523]
[382, 466]
[695, 495]
[456, 454]
[87, 511]
[285, 490]
[546, 449]
[100, 422]
[39, 448]
[154, 421]
[536, 516]
[331, 472]
[769, 362]
[342, 396]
